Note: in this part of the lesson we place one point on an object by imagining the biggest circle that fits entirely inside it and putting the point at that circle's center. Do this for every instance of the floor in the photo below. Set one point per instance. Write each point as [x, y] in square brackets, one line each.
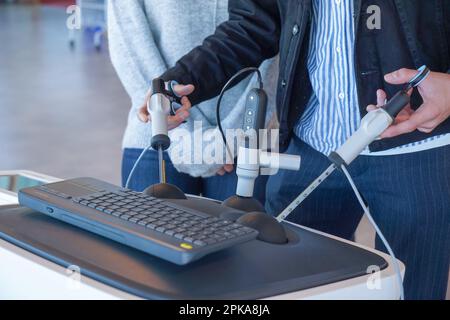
[62, 111]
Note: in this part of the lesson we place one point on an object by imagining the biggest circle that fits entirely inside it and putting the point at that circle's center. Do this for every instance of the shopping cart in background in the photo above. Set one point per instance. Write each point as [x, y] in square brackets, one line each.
[92, 18]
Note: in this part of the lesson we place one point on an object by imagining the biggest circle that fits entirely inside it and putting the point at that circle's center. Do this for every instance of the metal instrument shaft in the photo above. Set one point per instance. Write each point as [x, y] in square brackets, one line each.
[302, 196]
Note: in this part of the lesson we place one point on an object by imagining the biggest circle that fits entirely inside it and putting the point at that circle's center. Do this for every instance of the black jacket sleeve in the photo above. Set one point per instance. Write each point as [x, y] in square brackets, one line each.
[250, 36]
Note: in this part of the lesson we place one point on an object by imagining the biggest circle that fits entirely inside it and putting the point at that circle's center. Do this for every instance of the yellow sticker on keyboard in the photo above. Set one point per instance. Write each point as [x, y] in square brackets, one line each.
[186, 246]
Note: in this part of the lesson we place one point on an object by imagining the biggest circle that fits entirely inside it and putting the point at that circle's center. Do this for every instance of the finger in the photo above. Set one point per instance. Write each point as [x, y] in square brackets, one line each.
[183, 90]
[186, 103]
[416, 120]
[143, 114]
[429, 126]
[228, 168]
[400, 76]
[426, 130]
[371, 107]
[177, 119]
[221, 172]
[402, 116]
[381, 97]
[183, 113]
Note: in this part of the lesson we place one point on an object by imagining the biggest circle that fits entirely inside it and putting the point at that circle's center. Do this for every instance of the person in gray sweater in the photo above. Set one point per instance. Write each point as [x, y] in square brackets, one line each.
[146, 37]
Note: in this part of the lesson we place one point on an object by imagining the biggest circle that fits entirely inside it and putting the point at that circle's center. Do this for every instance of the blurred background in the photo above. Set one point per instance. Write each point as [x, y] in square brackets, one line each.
[62, 107]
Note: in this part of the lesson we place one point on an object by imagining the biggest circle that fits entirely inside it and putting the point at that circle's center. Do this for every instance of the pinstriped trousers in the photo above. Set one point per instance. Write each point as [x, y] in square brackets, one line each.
[409, 198]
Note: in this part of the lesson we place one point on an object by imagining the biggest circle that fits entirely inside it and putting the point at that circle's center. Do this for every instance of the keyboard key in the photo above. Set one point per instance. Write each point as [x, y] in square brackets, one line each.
[211, 220]
[229, 235]
[238, 232]
[151, 225]
[159, 223]
[188, 239]
[206, 232]
[179, 230]
[200, 243]
[246, 230]
[210, 241]
[170, 232]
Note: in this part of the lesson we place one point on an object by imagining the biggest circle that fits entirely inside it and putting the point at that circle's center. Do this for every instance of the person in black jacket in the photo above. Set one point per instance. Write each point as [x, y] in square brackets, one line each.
[335, 64]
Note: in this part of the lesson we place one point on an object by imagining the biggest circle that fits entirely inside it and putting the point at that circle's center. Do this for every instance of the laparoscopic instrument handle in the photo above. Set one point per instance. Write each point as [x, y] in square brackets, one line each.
[401, 99]
[159, 107]
[372, 126]
[376, 122]
[397, 103]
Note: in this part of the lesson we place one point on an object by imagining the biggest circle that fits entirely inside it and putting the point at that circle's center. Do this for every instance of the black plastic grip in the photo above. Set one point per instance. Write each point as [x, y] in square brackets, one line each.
[255, 112]
[160, 141]
[397, 103]
[158, 86]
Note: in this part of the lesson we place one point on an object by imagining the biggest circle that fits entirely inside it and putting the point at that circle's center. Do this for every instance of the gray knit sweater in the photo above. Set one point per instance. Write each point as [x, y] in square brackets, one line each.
[148, 36]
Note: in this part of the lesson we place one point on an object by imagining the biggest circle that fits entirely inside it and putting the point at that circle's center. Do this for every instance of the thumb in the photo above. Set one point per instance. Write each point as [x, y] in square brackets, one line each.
[183, 90]
[400, 76]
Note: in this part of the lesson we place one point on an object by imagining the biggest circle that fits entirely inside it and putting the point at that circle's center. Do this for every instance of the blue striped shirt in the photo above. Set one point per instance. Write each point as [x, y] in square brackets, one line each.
[332, 114]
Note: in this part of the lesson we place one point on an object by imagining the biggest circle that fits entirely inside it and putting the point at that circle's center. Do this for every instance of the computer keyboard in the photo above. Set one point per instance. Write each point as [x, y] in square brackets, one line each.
[158, 227]
[158, 215]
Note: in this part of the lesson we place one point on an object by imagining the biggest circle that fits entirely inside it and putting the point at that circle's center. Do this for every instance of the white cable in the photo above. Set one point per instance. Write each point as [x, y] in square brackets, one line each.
[127, 184]
[377, 229]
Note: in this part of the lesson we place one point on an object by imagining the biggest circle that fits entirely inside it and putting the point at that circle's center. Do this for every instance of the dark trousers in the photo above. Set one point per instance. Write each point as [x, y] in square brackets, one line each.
[408, 195]
[146, 174]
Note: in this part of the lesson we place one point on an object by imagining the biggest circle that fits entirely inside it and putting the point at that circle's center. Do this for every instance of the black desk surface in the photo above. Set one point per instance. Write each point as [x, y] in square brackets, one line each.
[248, 271]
